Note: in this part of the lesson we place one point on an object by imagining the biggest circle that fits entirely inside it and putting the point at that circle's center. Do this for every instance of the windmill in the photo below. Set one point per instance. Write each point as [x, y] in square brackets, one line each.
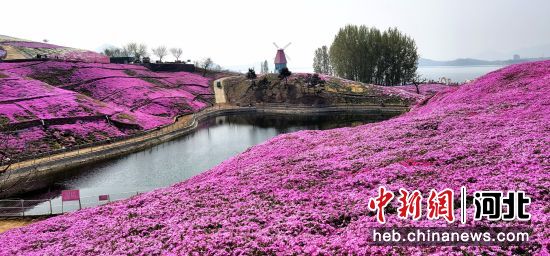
[280, 58]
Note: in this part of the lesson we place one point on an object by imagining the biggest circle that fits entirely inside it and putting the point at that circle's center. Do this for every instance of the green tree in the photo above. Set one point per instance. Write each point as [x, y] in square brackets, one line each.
[264, 67]
[317, 66]
[251, 74]
[321, 61]
[368, 55]
[284, 74]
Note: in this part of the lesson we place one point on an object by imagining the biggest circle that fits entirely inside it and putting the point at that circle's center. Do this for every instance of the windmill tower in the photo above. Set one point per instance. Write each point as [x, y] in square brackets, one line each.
[280, 58]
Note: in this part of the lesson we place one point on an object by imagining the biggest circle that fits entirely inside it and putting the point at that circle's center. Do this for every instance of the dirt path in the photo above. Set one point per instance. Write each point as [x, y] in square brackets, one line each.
[219, 90]
[7, 224]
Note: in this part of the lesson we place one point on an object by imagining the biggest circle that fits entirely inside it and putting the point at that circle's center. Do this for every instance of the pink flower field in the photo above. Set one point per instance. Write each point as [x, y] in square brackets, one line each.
[87, 102]
[425, 89]
[307, 192]
[23, 49]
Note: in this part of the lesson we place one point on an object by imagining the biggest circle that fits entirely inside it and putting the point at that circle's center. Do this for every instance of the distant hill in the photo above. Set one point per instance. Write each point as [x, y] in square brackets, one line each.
[12, 48]
[474, 62]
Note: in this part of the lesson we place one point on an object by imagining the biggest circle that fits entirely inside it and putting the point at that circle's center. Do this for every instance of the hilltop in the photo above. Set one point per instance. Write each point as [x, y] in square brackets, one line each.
[12, 48]
[304, 89]
[307, 192]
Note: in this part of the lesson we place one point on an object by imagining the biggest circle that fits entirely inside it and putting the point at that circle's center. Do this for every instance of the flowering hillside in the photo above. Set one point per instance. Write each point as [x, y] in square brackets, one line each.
[307, 192]
[87, 102]
[16, 48]
[425, 89]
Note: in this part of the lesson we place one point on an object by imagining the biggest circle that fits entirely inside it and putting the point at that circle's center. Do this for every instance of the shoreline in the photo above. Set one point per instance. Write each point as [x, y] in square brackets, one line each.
[35, 174]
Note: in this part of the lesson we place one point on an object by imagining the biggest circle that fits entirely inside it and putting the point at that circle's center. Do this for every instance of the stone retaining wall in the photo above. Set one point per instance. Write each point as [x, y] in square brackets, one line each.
[38, 176]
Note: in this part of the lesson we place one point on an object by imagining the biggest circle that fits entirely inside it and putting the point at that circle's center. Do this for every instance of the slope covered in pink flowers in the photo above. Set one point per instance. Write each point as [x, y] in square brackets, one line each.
[307, 192]
[87, 102]
[16, 48]
[425, 89]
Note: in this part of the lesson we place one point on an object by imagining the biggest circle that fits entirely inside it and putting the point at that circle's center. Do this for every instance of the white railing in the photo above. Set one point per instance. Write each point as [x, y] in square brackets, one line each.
[54, 206]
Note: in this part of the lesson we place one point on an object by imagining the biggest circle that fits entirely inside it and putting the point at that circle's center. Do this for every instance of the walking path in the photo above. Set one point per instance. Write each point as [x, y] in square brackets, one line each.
[7, 224]
[219, 90]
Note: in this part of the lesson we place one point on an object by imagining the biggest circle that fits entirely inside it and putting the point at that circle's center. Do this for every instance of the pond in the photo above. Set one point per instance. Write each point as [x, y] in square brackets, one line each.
[215, 140]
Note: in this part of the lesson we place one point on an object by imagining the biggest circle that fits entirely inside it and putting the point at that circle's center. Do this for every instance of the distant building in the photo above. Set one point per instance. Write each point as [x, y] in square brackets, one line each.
[169, 67]
[121, 60]
[517, 57]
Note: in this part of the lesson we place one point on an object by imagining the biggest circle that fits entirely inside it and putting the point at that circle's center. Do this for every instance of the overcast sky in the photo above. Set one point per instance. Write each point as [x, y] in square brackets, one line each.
[240, 33]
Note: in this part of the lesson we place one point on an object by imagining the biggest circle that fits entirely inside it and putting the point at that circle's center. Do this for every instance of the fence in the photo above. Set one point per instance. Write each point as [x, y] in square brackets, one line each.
[53, 206]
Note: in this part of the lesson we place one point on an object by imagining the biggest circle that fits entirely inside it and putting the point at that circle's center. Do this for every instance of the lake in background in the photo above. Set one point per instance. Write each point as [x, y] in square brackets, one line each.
[455, 73]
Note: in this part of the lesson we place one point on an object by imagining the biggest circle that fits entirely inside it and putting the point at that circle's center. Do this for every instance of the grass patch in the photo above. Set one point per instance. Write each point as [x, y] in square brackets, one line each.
[4, 120]
[153, 81]
[130, 72]
[126, 117]
[53, 77]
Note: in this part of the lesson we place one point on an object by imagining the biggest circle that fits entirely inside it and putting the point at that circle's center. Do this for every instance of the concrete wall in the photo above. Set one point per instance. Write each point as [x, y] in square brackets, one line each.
[41, 175]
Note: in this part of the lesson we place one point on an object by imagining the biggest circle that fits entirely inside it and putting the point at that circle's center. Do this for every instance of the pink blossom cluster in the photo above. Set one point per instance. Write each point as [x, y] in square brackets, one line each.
[307, 192]
[83, 56]
[131, 94]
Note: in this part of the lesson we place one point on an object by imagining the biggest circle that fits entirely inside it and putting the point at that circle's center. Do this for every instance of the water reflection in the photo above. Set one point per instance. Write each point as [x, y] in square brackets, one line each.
[216, 140]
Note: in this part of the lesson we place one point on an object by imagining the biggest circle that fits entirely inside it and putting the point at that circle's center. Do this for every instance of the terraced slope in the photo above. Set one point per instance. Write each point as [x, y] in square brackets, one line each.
[17, 49]
[48, 105]
[307, 192]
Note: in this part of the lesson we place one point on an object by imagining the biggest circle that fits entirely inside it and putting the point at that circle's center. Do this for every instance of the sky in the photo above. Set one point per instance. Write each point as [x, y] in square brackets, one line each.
[240, 33]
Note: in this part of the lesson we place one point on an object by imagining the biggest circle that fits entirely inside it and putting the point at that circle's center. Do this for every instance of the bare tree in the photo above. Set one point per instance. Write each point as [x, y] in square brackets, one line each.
[141, 51]
[205, 65]
[160, 52]
[129, 49]
[176, 52]
[418, 80]
[216, 67]
[113, 52]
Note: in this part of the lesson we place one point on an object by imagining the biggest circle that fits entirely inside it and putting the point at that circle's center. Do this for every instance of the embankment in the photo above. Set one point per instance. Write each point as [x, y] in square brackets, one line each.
[38, 173]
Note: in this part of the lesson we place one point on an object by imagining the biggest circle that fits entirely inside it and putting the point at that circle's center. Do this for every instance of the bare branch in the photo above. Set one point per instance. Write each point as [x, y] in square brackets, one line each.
[160, 52]
[176, 52]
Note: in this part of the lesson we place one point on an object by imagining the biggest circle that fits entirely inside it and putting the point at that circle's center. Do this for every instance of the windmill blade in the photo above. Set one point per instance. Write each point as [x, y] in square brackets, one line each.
[286, 45]
[287, 56]
[276, 45]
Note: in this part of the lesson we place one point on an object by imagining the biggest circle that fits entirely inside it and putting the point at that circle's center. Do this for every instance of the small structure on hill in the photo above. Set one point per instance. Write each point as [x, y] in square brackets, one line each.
[280, 58]
[170, 67]
[122, 60]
